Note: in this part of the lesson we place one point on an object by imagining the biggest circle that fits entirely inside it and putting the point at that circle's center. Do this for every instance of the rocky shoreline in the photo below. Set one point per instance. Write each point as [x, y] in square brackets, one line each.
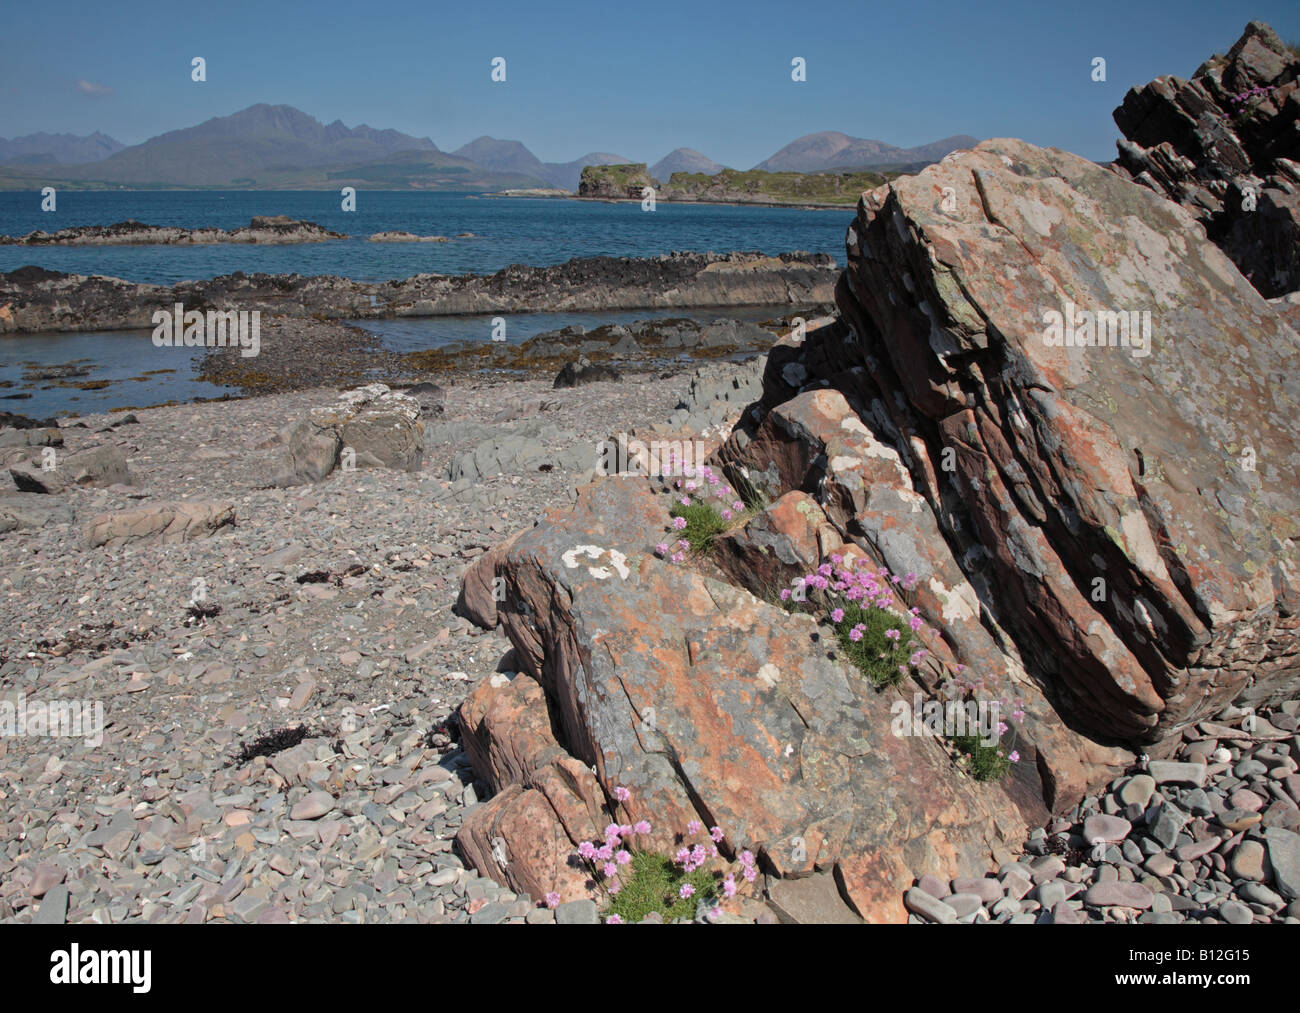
[33, 299]
[280, 740]
[300, 354]
[263, 229]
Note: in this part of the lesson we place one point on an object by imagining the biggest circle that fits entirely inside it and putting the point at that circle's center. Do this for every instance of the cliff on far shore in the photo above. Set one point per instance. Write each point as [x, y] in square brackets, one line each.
[616, 182]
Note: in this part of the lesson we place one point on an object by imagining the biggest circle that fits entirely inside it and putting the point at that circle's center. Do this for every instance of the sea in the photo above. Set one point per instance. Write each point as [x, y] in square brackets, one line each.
[514, 230]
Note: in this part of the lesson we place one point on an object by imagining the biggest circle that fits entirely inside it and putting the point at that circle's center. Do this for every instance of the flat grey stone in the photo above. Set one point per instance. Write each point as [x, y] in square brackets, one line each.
[1137, 790]
[1284, 857]
[54, 907]
[577, 912]
[930, 908]
[1170, 772]
[1111, 829]
[1116, 894]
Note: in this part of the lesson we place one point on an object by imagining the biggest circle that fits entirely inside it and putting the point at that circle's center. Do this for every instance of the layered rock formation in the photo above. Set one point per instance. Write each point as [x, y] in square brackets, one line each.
[1051, 399]
[1226, 146]
[33, 299]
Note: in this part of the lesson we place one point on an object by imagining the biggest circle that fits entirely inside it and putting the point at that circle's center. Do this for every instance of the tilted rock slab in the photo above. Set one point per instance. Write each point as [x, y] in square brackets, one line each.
[1226, 146]
[1126, 521]
[707, 704]
[163, 522]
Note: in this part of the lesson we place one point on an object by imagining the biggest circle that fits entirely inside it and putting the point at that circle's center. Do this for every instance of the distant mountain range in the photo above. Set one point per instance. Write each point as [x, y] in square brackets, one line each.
[831, 150]
[57, 149]
[280, 147]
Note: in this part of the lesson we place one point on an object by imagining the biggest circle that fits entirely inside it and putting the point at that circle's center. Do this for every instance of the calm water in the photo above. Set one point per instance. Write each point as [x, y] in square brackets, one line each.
[126, 357]
[507, 230]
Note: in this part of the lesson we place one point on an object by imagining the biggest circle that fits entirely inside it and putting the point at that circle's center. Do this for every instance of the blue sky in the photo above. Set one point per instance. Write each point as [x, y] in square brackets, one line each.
[636, 80]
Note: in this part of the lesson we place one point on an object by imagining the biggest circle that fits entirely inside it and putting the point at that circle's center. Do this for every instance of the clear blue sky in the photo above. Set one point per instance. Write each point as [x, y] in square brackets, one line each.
[634, 79]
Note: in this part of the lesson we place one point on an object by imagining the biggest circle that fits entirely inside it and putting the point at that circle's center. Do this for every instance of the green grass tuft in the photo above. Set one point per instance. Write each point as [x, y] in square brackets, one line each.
[875, 655]
[703, 524]
[654, 885]
[985, 763]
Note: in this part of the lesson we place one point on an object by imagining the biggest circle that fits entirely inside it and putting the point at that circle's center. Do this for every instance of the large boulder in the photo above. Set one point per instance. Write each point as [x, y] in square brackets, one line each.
[368, 427]
[1226, 146]
[161, 522]
[31, 510]
[1115, 520]
[99, 467]
[708, 704]
[1102, 530]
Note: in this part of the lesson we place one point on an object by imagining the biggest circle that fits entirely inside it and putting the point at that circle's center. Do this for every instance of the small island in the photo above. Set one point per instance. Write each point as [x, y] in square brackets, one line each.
[262, 229]
[731, 186]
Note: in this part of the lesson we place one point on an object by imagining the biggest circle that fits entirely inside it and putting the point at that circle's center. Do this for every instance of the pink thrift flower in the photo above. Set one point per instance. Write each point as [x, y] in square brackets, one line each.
[642, 827]
[785, 594]
[587, 850]
[837, 615]
[613, 920]
[686, 501]
[552, 899]
[892, 635]
[678, 557]
[622, 794]
[746, 858]
[716, 834]
[1014, 757]
[693, 827]
[679, 523]
[686, 891]
[855, 634]
[750, 874]
[612, 831]
[614, 886]
[622, 858]
[605, 853]
[661, 549]
[610, 870]
[726, 515]
[737, 505]
[729, 886]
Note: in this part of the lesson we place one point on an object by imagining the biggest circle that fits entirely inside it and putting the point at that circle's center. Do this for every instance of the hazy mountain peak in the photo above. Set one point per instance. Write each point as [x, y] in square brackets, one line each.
[684, 160]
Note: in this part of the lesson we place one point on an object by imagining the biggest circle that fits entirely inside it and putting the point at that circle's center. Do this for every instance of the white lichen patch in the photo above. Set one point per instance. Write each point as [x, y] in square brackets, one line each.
[594, 552]
[959, 603]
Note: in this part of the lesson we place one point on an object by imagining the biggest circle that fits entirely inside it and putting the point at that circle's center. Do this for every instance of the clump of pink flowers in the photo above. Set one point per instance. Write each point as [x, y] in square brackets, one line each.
[865, 608]
[699, 487]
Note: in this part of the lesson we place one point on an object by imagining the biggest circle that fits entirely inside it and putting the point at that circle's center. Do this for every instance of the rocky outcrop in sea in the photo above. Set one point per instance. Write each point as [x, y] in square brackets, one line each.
[262, 229]
[33, 299]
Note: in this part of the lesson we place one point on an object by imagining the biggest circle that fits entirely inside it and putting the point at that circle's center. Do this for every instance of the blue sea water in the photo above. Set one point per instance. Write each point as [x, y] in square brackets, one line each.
[537, 231]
